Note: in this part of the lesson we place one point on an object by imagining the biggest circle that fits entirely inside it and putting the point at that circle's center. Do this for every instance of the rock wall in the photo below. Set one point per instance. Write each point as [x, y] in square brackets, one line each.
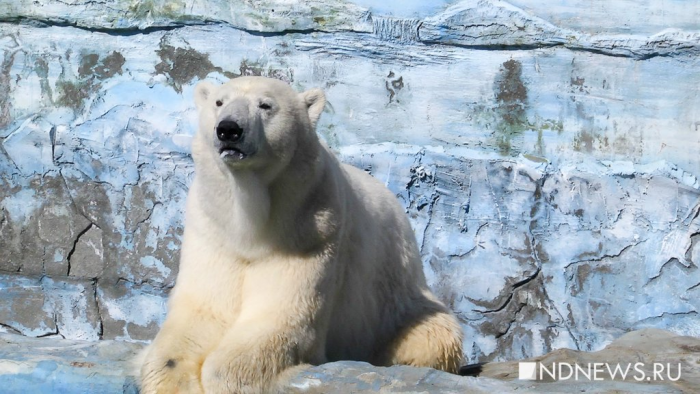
[547, 156]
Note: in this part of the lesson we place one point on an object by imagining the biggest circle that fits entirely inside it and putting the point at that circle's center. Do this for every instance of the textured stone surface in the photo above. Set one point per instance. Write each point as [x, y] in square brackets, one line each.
[494, 23]
[87, 259]
[562, 256]
[130, 311]
[260, 16]
[24, 308]
[642, 358]
[354, 377]
[64, 366]
[43, 307]
[547, 156]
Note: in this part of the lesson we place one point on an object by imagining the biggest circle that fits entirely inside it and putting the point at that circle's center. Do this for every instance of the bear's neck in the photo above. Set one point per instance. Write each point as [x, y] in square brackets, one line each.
[299, 195]
[231, 210]
[266, 216]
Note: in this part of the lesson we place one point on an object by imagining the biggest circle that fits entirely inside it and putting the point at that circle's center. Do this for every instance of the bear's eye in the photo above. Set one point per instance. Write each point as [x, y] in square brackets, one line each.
[264, 106]
[219, 103]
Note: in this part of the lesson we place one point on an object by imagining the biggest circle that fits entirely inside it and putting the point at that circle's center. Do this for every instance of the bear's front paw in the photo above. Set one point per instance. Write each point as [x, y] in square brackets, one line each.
[169, 375]
[224, 372]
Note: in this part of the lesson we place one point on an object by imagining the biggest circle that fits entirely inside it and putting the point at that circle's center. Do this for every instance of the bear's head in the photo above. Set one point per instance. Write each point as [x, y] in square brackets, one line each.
[254, 123]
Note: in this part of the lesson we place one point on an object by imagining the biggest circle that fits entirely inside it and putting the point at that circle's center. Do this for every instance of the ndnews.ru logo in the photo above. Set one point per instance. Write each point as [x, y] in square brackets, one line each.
[599, 371]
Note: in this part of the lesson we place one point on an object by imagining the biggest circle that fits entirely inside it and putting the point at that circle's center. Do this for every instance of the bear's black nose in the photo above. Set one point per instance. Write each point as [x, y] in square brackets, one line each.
[229, 131]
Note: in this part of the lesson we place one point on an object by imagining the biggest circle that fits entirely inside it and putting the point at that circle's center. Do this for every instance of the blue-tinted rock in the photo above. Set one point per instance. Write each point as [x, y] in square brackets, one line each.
[65, 367]
[73, 367]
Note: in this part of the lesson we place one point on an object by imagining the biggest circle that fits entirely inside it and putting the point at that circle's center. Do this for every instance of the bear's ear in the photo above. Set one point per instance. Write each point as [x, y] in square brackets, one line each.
[315, 101]
[202, 92]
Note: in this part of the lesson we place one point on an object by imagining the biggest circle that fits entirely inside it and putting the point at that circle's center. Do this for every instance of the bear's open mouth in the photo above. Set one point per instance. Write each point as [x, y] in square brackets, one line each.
[227, 152]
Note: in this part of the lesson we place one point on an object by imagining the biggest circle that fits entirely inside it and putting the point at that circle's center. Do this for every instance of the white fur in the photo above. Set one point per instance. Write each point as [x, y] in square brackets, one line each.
[289, 258]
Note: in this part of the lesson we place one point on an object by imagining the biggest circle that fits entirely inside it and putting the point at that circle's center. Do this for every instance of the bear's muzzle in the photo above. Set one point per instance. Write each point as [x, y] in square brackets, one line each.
[230, 137]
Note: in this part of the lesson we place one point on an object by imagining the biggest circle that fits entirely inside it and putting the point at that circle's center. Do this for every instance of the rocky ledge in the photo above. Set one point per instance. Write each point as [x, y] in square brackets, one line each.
[646, 361]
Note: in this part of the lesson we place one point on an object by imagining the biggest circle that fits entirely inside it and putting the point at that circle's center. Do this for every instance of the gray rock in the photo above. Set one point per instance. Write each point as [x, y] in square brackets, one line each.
[74, 307]
[42, 306]
[87, 259]
[129, 311]
[39, 226]
[24, 308]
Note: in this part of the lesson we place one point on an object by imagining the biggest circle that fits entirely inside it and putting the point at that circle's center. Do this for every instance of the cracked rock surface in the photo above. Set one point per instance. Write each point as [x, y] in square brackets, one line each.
[547, 160]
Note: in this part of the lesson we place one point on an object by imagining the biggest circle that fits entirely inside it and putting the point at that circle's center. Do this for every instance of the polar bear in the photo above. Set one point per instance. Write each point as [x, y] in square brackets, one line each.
[288, 257]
